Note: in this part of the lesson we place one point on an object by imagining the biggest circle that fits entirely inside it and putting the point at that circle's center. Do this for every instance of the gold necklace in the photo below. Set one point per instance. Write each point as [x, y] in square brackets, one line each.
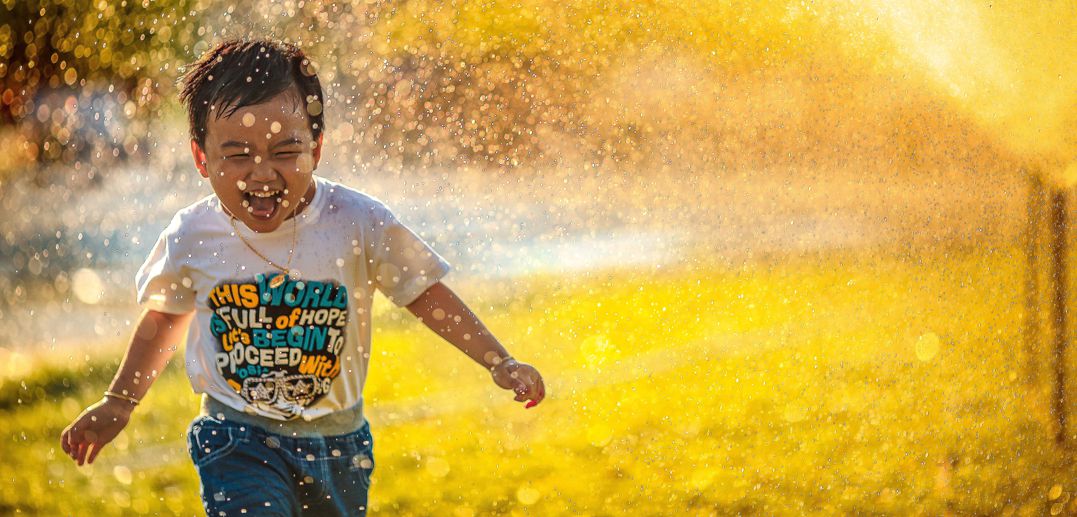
[276, 281]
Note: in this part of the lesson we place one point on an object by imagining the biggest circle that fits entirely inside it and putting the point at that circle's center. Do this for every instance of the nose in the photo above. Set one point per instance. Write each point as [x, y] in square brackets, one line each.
[262, 172]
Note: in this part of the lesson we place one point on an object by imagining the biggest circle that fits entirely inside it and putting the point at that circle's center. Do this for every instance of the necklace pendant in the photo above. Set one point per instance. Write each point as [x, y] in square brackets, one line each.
[278, 280]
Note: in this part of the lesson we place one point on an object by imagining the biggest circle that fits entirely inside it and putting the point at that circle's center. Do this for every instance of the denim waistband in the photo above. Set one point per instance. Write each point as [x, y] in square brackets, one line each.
[336, 423]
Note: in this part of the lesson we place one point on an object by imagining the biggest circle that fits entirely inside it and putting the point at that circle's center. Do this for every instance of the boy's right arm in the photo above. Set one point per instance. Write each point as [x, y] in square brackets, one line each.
[156, 338]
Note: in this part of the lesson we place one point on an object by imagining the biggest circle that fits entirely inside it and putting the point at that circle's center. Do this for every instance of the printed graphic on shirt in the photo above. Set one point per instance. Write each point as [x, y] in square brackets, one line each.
[279, 347]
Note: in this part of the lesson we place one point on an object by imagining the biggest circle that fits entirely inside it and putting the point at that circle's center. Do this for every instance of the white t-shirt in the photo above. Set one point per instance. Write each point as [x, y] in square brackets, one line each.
[300, 349]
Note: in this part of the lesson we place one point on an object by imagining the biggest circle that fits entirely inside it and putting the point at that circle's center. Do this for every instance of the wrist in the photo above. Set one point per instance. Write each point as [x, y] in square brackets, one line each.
[502, 361]
[117, 408]
[120, 400]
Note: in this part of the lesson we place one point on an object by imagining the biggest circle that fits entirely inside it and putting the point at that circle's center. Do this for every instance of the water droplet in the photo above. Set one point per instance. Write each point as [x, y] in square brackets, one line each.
[527, 495]
[927, 346]
[248, 119]
[87, 286]
[122, 474]
[438, 467]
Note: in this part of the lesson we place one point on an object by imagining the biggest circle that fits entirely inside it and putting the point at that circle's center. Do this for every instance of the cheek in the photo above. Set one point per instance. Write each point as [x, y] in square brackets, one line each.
[223, 177]
[304, 163]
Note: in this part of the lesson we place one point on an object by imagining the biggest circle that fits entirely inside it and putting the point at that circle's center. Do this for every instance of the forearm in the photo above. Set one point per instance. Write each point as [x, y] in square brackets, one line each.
[156, 338]
[446, 314]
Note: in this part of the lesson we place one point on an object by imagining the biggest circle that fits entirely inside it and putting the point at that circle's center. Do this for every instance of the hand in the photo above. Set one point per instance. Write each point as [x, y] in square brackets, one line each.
[521, 378]
[96, 426]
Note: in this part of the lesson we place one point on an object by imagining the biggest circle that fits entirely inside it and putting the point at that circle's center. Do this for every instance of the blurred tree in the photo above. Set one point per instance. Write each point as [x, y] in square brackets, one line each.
[80, 79]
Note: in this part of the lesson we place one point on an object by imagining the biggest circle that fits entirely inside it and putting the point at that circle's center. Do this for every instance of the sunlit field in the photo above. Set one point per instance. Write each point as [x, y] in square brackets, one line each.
[829, 383]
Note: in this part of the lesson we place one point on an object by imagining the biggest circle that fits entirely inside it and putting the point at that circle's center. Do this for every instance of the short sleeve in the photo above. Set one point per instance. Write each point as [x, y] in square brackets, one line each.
[402, 265]
[160, 284]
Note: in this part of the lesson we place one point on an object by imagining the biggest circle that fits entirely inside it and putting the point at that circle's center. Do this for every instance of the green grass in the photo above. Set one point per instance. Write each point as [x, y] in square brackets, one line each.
[819, 385]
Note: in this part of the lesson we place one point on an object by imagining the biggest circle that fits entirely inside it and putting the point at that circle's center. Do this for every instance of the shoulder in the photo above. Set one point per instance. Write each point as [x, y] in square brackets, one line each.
[192, 216]
[355, 204]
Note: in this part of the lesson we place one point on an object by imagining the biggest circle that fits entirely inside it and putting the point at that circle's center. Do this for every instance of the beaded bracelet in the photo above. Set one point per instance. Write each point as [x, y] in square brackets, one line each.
[132, 400]
[502, 360]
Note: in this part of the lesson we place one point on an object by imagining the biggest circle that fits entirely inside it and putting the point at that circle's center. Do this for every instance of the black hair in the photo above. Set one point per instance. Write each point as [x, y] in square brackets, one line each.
[243, 72]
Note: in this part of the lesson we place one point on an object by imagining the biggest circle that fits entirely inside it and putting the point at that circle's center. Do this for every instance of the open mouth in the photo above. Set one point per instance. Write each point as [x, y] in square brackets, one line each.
[262, 204]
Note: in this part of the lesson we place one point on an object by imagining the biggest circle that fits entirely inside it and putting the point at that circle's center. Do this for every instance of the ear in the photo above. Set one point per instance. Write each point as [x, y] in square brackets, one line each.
[317, 152]
[199, 158]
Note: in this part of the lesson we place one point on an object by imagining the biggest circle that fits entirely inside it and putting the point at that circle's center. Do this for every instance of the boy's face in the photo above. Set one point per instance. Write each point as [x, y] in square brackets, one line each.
[260, 160]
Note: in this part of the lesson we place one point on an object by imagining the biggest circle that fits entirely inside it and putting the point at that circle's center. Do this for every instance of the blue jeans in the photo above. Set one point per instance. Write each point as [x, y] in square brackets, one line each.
[246, 470]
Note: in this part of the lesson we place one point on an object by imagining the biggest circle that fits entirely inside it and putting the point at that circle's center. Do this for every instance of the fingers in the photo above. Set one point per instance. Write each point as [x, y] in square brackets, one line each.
[83, 450]
[63, 442]
[81, 455]
[533, 389]
[541, 389]
[527, 384]
[521, 392]
[96, 449]
[541, 394]
[71, 439]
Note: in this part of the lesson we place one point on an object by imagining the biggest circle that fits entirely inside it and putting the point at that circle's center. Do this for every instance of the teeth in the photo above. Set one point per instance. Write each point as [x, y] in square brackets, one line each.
[264, 193]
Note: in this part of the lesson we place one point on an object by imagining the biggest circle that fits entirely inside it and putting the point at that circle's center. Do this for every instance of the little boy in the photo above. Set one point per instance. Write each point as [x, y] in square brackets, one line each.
[277, 270]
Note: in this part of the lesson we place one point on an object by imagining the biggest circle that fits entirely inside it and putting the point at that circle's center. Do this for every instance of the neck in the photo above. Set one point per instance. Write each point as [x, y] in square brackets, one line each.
[308, 197]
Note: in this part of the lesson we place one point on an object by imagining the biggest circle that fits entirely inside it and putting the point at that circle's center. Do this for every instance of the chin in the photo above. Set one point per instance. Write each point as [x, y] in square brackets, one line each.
[253, 222]
[263, 226]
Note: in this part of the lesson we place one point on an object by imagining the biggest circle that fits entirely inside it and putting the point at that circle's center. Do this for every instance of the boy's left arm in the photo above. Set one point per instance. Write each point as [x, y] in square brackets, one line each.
[439, 307]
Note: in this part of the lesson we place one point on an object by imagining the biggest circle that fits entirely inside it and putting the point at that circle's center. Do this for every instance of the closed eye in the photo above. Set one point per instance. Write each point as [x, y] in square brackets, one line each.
[237, 156]
[287, 154]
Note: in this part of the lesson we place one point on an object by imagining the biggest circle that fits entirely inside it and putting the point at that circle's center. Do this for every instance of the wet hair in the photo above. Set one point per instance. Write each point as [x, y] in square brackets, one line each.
[242, 72]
